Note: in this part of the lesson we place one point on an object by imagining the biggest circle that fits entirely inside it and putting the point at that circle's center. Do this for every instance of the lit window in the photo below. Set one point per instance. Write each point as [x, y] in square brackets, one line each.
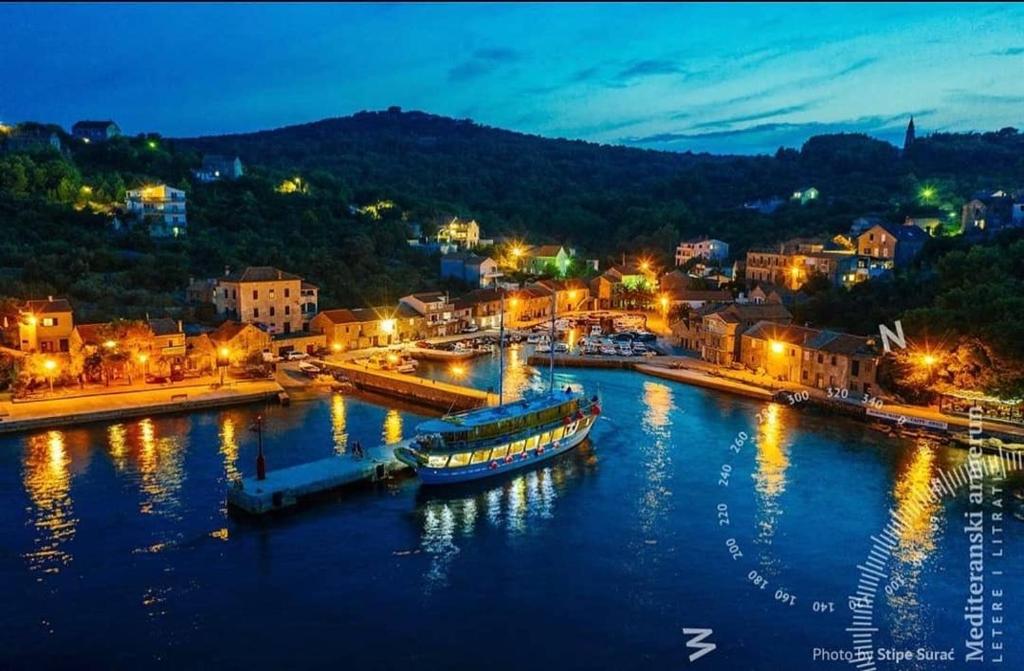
[517, 447]
[499, 452]
[460, 459]
[480, 456]
[532, 442]
[437, 461]
[545, 438]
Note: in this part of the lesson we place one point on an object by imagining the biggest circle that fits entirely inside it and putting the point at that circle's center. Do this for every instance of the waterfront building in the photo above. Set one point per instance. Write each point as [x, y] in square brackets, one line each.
[46, 326]
[168, 343]
[437, 311]
[160, 207]
[792, 263]
[483, 306]
[704, 248]
[217, 167]
[696, 298]
[281, 301]
[240, 341]
[721, 328]
[818, 358]
[458, 233]
[570, 295]
[477, 271]
[95, 131]
[601, 290]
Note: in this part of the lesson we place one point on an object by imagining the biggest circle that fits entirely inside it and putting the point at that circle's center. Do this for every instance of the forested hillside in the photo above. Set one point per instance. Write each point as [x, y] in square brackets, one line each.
[55, 236]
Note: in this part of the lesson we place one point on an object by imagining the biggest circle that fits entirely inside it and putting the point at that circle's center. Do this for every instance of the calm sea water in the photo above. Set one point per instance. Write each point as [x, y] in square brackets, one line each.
[116, 550]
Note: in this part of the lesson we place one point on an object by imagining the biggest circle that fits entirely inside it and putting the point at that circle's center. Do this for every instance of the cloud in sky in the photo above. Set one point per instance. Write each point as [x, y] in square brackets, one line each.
[735, 78]
[482, 62]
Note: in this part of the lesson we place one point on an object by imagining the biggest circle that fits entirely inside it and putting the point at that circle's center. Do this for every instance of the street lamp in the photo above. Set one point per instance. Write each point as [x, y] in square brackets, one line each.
[51, 366]
[778, 347]
[457, 371]
[223, 355]
[663, 300]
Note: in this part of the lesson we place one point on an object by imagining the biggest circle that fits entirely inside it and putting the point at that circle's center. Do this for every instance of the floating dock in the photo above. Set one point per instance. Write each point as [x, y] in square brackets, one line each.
[424, 354]
[432, 393]
[288, 487]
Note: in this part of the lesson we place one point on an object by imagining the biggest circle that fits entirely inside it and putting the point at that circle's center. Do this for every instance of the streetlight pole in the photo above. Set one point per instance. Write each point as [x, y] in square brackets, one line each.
[261, 463]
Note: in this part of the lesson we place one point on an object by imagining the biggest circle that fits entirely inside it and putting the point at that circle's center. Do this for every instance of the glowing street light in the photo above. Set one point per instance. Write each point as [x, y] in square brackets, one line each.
[336, 346]
[110, 344]
[927, 193]
[457, 371]
[663, 301]
[223, 358]
[387, 326]
[929, 360]
[51, 368]
[778, 347]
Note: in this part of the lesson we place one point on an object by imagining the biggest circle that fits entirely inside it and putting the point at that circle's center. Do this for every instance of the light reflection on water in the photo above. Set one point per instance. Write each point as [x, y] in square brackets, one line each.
[161, 470]
[654, 500]
[510, 505]
[339, 424]
[47, 479]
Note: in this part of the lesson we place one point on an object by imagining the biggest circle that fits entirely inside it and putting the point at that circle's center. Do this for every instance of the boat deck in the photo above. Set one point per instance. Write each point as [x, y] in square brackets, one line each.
[484, 416]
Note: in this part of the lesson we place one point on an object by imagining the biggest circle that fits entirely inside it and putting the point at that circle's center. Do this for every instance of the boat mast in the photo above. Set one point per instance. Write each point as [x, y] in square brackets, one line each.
[501, 351]
[551, 338]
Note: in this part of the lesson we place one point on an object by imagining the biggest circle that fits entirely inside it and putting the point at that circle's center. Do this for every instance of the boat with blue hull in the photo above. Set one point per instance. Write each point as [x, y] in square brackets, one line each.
[494, 441]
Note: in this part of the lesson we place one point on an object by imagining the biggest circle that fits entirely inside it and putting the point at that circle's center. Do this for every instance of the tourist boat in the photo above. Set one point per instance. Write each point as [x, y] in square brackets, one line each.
[494, 441]
[498, 440]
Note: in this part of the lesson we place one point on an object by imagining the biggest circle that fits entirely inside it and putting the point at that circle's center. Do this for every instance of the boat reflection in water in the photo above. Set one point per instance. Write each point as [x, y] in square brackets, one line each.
[456, 512]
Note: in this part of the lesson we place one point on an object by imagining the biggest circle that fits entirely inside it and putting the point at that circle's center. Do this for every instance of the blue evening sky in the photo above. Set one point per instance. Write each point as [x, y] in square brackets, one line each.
[726, 78]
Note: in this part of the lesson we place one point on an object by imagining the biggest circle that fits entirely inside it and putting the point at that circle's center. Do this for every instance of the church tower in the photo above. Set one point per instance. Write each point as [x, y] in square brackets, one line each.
[908, 139]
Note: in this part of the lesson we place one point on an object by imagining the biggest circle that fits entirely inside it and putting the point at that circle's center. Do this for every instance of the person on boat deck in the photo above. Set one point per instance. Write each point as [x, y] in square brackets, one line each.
[568, 389]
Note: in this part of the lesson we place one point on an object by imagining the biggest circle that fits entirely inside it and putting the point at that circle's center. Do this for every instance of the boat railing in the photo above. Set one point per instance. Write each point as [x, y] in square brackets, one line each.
[585, 407]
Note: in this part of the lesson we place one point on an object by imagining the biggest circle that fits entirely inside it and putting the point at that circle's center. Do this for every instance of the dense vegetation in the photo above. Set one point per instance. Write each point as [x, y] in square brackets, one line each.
[55, 237]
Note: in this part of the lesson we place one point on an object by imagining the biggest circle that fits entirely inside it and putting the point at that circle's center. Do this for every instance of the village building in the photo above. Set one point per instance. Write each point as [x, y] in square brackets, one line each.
[29, 139]
[281, 301]
[476, 271]
[46, 326]
[459, 233]
[234, 343]
[217, 167]
[721, 328]
[570, 295]
[805, 195]
[437, 311]
[95, 131]
[891, 242]
[703, 248]
[484, 308]
[160, 207]
[812, 357]
[546, 259]
[168, 346]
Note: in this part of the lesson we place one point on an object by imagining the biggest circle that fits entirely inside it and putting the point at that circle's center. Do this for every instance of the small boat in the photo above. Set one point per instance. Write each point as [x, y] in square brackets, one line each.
[608, 350]
[543, 348]
[532, 339]
[639, 348]
[625, 349]
[561, 348]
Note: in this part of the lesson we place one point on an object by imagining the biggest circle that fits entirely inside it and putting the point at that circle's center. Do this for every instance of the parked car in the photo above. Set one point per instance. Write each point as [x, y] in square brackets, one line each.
[470, 328]
[423, 344]
[296, 355]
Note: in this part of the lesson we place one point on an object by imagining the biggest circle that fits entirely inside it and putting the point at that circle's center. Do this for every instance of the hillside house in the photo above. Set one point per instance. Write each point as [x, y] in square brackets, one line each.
[95, 131]
[218, 167]
[160, 207]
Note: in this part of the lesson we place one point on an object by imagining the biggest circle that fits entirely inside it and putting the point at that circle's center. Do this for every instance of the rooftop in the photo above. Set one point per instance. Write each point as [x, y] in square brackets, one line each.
[260, 274]
[48, 306]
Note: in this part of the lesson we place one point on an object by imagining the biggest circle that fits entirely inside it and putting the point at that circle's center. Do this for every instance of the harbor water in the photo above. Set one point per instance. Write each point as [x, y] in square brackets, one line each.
[117, 551]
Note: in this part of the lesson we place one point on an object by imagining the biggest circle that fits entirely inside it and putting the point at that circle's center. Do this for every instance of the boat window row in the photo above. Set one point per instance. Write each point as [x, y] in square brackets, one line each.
[502, 451]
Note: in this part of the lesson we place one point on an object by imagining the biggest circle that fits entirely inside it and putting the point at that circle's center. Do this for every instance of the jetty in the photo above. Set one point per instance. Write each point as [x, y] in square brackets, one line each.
[433, 354]
[288, 487]
[431, 393]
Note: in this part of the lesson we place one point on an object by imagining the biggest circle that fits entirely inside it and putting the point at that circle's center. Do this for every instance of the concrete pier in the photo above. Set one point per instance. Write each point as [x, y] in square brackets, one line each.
[431, 393]
[288, 487]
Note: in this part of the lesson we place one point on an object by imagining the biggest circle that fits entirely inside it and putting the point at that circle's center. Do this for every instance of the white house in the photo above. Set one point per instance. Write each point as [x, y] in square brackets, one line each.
[159, 206]
[704, 247]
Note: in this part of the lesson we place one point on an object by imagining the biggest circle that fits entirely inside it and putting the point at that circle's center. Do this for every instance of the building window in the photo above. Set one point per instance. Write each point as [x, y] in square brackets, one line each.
[287, 292]
[50, 321]
[225, 293]
[821, 357]
[272, 293]
[255, 313]
[855, 368]
[833, 359]
[255, 294]
[273, 312]
[287, 309]
[804, 375]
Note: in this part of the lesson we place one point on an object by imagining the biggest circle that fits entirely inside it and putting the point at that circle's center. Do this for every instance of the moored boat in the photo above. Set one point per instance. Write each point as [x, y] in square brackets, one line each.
[493, 441]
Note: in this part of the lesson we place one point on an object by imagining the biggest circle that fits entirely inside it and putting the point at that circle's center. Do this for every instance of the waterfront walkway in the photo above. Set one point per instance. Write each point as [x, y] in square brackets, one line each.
[432, 393]
[44, 414]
